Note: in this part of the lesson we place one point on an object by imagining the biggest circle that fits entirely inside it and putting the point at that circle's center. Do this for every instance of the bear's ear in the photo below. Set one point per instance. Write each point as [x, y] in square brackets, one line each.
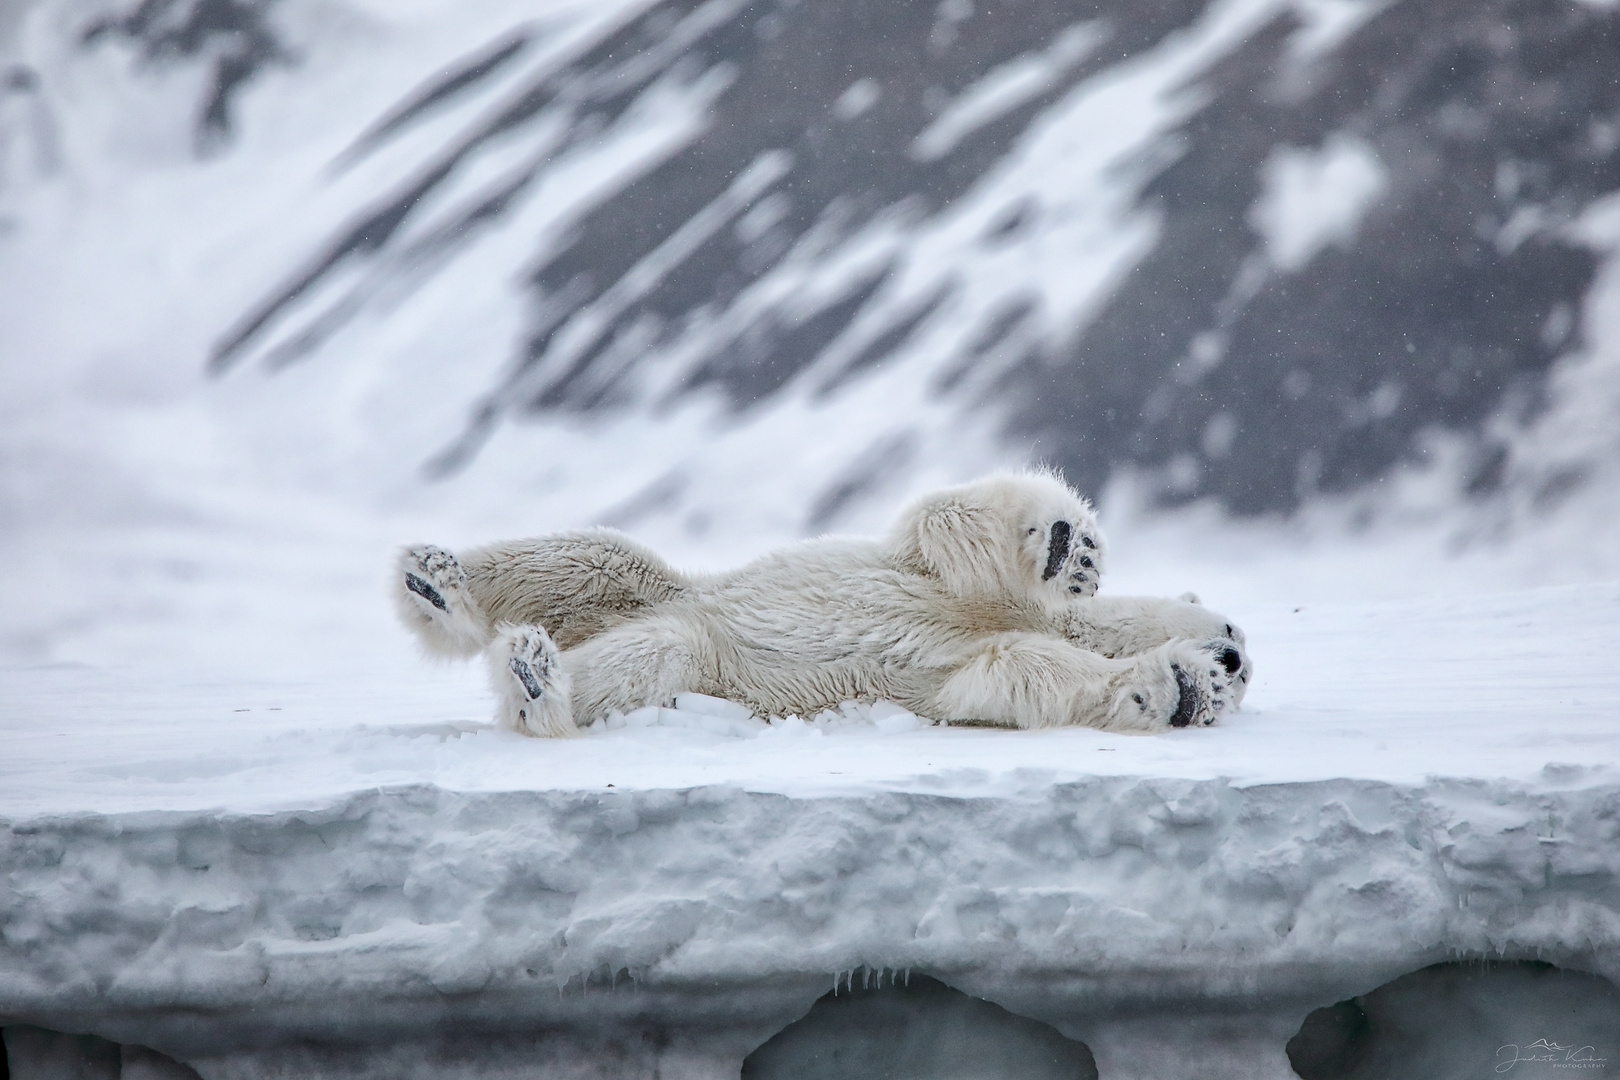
[958, 541]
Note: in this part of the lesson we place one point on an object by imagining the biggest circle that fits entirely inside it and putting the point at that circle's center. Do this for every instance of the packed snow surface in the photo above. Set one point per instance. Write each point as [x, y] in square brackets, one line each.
[1516, 686]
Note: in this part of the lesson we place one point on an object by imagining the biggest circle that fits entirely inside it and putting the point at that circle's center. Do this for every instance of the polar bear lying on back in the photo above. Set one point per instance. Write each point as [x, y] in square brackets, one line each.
[979, 606]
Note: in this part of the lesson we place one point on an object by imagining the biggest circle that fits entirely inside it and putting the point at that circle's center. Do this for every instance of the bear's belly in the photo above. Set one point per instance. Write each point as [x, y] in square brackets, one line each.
[806, 651]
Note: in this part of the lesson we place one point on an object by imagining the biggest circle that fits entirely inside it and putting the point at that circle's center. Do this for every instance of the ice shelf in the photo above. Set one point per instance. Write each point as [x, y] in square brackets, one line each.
[405, 892]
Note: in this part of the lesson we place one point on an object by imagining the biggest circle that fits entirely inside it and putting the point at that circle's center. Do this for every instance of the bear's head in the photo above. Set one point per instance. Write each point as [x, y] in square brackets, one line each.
[1027, 536]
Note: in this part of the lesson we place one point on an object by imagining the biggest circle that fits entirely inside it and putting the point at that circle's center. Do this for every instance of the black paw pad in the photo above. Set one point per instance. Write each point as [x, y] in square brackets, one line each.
[1188, 705]
[525, 675]
[1057, 549]
[1231, 661]
[427, 592]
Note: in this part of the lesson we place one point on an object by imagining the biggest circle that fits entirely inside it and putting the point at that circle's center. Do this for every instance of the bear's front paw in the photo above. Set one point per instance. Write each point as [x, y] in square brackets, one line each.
[1181, 684]
[531, 687]
[1204, 675]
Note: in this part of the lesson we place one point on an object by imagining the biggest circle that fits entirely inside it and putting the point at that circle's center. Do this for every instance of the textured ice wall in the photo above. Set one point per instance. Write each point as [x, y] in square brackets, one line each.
[717, 916]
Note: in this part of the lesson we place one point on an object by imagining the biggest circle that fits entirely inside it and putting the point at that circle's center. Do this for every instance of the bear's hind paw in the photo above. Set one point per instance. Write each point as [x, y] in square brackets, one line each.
[531, 686]
[433, 601]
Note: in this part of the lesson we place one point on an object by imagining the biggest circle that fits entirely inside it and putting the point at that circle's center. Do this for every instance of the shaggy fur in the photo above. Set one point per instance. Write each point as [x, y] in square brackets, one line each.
[978, 606]
[575, 584]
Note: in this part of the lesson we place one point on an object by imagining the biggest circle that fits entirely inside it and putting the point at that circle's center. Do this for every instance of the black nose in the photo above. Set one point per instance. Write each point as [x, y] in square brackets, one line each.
[1230, 660]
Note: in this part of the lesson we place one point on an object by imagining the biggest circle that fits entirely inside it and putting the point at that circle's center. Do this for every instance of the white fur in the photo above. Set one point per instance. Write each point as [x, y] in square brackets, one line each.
[1130, 625]
[967, 611]
[575, 584]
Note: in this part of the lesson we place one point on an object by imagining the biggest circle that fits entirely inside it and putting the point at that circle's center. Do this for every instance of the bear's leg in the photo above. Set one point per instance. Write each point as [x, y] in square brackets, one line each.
[644, 662]
[575, 584]
[1031, 681]
[531, 683]
[1028, 681]
[430, 593]
[1121, 626]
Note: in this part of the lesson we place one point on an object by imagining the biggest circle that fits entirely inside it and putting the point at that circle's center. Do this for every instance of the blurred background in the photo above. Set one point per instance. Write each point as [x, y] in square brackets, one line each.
[1318, 299]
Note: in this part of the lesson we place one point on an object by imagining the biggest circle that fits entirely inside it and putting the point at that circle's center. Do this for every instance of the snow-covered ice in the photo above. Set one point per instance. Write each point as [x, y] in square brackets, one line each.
[343, 862]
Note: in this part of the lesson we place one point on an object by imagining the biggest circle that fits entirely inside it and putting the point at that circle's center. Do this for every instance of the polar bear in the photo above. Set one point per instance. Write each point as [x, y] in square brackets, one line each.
[979, 606]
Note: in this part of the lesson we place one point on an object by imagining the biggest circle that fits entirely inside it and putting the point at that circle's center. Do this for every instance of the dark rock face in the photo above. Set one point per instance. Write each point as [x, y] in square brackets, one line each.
[1485, 115]
[1221, 363]
[233, 37]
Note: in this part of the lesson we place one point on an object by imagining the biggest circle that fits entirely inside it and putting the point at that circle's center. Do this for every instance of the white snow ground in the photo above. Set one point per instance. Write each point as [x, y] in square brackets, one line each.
[1519, 687]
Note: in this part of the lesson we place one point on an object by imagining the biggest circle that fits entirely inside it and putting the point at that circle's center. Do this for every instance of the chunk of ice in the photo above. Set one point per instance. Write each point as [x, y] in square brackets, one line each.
[712, 706]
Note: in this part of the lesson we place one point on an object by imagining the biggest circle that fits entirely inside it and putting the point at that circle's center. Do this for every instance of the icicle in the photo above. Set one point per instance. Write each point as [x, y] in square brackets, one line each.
[908, 976]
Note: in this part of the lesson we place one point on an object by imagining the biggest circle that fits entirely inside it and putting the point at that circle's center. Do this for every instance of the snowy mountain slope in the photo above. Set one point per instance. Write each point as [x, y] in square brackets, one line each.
[1137, 228]
[1251, 250]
